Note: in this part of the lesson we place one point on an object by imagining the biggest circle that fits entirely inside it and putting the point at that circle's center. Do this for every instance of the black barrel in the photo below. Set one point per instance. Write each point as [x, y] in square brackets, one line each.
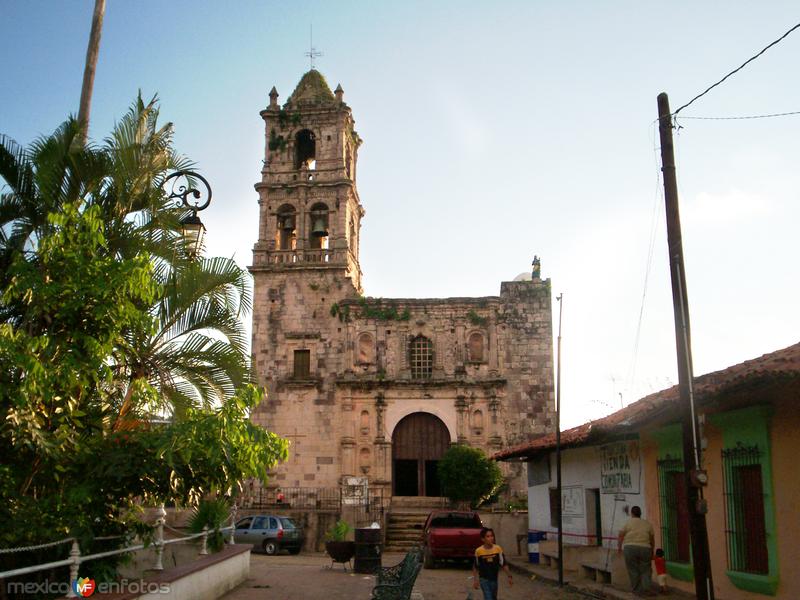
[369, 548]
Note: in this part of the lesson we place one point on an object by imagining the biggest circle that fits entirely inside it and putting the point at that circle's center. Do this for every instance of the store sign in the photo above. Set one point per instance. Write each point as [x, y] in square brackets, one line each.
[620, 468]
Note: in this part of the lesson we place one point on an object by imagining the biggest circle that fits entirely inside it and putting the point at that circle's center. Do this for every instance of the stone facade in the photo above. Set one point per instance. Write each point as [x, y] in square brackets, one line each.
[344, 372]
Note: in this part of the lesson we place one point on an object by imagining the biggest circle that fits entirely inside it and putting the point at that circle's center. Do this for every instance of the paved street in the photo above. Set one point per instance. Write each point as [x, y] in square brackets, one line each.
[306, 577]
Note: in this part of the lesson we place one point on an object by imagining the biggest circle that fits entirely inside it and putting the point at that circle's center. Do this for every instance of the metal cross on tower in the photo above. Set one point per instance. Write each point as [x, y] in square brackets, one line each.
[312, 53]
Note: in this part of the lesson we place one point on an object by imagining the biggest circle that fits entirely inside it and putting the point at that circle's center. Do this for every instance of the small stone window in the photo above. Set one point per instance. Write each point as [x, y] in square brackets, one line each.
[475, 350]
[285, 236]
[305, 149]
[302, 364]
[365, 351]
[421, 357]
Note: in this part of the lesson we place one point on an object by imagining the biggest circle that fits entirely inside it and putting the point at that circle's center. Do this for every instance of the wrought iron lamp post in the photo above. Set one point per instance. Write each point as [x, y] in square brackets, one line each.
[194, 199]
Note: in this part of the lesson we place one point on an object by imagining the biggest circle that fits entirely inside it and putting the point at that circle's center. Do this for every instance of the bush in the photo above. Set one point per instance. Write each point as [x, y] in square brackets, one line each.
[467, 474]
[213, 514]
[338, 532]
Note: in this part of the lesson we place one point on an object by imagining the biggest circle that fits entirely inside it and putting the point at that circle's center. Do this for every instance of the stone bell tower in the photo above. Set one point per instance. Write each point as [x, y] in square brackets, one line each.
[305, 264]
[310, 213]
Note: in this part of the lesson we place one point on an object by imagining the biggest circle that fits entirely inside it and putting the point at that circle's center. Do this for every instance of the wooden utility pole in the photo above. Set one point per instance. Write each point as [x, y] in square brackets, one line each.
[692, 464]
[91, 64]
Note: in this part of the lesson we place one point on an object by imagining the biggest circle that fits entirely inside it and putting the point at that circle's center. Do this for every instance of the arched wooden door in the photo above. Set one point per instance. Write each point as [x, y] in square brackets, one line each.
[418, 442]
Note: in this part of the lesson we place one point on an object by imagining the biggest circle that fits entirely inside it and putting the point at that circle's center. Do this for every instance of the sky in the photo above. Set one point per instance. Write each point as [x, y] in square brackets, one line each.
[492, 132]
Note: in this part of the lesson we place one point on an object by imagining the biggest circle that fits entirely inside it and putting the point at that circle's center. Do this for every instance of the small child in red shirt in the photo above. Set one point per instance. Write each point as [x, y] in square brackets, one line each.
[661, 570]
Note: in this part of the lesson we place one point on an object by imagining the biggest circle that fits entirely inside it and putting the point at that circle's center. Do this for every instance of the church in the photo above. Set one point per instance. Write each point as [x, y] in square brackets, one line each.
[367, 389]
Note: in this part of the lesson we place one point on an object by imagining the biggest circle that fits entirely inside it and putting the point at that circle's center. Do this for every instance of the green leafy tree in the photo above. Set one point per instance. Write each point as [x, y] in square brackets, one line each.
[104, 319]
[466, 474]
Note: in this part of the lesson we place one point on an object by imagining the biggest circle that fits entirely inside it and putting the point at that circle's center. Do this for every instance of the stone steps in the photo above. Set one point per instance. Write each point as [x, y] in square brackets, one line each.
[404, 527]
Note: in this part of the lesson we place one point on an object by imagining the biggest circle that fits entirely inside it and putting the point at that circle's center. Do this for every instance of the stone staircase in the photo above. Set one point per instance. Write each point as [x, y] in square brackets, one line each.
[405, 521]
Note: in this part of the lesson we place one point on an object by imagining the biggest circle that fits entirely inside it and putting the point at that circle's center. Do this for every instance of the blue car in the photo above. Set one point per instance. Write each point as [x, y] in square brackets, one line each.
[270, 533]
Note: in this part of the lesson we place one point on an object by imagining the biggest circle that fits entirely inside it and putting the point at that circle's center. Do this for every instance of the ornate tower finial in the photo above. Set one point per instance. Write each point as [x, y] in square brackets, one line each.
[273, 98]
[338, 92]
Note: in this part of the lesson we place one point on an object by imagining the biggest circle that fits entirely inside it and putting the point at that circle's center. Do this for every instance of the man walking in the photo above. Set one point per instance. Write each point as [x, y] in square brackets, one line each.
[636, 542]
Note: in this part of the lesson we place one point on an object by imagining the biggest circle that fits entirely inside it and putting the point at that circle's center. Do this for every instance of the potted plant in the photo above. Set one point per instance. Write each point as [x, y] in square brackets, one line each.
[336, 544]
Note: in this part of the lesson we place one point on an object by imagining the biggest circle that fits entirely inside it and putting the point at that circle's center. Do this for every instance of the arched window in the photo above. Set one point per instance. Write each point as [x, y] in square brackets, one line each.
[318, 236]
[285, 236]
[305, 149]
[365, 352]
[475, 347]
[421, 358]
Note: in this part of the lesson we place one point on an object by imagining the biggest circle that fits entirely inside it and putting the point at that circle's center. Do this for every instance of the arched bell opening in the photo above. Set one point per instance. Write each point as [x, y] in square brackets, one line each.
[305, 149]
[286, 231]
[318, 237]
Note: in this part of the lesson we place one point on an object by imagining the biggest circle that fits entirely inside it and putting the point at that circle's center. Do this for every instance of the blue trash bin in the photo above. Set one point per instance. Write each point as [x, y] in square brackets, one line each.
[534, 537]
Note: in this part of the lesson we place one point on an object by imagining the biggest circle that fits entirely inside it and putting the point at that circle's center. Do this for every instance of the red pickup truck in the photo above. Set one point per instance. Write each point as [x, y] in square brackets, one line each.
[450, 534]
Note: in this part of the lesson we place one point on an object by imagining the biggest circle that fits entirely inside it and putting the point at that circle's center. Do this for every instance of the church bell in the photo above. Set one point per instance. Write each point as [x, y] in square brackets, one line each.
[319, 229]
[288, 223]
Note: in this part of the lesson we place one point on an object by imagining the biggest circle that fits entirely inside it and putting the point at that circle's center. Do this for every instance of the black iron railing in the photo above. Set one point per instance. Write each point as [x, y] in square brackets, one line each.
[369, 505]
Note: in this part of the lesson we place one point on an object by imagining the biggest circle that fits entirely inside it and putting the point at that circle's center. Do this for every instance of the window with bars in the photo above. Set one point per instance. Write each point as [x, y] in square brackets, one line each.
[745, 525]
[674, 509]
[421, 357]
[302, 364]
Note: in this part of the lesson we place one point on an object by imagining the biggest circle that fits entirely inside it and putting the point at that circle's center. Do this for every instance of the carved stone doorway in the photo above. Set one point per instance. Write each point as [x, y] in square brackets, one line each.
[418, 443]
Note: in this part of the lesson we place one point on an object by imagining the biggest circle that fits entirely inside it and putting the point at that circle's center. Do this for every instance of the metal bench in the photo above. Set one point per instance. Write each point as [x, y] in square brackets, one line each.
[399, 571]
[401, 589]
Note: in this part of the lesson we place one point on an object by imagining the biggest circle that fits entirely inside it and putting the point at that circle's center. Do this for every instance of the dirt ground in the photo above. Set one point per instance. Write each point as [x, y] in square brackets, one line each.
[308, 577]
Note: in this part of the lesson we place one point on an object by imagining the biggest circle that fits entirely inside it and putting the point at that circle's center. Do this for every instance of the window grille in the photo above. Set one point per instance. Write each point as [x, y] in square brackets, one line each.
[745, 525]
[421, 358]
[674, 509]
[302, 364]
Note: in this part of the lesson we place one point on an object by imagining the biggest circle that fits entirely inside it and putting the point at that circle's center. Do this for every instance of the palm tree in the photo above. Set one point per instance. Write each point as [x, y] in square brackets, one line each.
[91, 64]
[195, 352]
[196, 355]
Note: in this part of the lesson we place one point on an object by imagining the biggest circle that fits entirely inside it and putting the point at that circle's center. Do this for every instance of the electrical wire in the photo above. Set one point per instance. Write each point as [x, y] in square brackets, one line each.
[749, 60]
[768, 116]
[658, 198]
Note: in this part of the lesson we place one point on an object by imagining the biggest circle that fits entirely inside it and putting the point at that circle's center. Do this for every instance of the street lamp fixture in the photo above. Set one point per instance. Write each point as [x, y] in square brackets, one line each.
[193, 232]
[194, 199]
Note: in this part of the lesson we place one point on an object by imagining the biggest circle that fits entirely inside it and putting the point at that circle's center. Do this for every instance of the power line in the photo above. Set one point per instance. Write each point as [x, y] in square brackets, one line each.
[657, 203]
[749, 60]
[768, 116]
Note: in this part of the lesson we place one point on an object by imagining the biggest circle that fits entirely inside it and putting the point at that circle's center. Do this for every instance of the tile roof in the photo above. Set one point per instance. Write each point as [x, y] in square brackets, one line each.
[708, 388]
